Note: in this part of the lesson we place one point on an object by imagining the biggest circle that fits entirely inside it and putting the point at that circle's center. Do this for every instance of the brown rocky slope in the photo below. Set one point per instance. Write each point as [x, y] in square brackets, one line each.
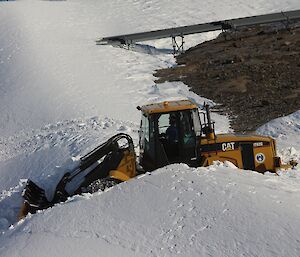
[253, 74]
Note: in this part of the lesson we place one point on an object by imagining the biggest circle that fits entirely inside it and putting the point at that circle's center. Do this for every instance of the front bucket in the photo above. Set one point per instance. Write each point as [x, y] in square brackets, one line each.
[35, 199]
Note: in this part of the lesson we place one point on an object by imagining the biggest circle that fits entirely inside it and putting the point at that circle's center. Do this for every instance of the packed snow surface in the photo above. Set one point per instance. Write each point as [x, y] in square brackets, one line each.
[61, 95]
[176, 210]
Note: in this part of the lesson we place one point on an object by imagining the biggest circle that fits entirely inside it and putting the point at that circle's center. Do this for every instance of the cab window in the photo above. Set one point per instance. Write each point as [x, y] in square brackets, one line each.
[187, 129]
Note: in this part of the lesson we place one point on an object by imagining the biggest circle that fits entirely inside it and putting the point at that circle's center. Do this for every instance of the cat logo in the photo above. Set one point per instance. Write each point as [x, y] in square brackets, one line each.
[260, 157]
[228, 146]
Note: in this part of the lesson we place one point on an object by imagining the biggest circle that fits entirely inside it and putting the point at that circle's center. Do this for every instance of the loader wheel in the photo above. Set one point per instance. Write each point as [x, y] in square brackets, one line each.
[101, 184]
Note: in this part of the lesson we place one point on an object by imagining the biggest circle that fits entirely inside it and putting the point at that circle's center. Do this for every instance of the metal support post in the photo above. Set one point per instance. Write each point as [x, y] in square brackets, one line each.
[177, 49]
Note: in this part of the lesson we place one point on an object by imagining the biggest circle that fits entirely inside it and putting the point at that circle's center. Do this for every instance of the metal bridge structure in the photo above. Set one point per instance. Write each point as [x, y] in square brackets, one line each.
[286, 18]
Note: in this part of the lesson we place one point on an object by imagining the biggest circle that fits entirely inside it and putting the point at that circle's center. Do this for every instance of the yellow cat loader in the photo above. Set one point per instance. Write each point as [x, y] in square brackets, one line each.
[196, 143]
[170, 132]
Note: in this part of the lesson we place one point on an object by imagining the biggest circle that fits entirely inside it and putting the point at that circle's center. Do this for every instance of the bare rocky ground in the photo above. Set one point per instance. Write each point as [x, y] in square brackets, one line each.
[253, 73]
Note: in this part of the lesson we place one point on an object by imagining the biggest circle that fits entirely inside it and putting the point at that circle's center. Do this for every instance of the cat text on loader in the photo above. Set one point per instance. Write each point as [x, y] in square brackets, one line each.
[175, 131]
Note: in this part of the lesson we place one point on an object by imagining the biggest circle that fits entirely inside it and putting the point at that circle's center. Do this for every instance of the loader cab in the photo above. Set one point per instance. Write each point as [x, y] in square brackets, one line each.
[169, 133]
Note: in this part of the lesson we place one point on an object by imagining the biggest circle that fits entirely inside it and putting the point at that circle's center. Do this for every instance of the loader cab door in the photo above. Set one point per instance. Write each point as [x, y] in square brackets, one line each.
[167, 138]
[152, 154]
[177, 136]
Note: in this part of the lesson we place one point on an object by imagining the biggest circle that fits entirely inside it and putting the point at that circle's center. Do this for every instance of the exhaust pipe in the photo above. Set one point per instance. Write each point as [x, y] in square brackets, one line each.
[210, 130]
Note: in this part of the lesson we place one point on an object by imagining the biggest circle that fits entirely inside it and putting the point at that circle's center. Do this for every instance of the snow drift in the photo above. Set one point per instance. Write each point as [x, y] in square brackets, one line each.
[176, 210]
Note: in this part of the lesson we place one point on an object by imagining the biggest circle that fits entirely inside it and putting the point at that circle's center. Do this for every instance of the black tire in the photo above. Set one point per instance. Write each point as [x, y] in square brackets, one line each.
[101, 184]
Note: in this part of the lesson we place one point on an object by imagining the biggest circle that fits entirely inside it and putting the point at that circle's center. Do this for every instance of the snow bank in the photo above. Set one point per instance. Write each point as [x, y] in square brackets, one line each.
[286, 131]
[176, 210]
